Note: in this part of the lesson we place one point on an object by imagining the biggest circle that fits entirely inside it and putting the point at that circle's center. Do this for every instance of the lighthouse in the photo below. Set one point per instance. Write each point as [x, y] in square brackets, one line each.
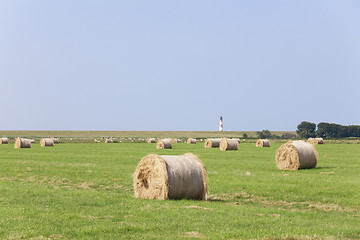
[220, 125]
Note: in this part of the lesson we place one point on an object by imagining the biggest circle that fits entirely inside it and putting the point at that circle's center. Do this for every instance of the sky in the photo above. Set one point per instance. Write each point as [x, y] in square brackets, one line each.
[178, 65]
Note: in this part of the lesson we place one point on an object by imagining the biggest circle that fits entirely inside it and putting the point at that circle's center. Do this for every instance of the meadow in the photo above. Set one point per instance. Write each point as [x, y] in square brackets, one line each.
[84, 191]
[133, 134]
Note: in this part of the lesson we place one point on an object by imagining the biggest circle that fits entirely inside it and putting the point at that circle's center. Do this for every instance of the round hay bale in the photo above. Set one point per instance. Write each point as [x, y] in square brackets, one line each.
[237, 139]
[262, 143]
[164, 144]
[228, 144]
[315, 140]
[22, 143]
[212, 143]
[108, 140]
[170, 177]
[55, 140]
[4, 140]
[32, 141]
[46, 142]
[151, 140]
[295, 155]
[191, 141]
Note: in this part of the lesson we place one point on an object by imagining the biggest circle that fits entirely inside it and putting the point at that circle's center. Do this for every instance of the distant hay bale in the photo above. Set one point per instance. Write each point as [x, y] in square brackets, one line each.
[170, 177]
[262, 143]
[46, 142]
[151, 140]
[108, 140]
[212, 143]
[175, 140]
[4, 140]
[191, 141]
[55, 140]
[164, 144]
[22, 143]
[237, 139]
[32, 140]
[228, 144]
[315, 140]
[295, 155]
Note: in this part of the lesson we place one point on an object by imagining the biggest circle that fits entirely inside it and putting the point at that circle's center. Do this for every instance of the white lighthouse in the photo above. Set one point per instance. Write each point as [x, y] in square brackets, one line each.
[221, 124]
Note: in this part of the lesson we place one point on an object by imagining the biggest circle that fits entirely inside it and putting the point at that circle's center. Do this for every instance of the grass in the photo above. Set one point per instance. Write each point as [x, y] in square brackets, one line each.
[136, 134]
[84, 191]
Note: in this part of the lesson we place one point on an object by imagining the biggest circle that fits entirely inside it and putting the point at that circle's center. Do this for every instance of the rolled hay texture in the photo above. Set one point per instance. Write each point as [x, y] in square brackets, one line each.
[170, 177]
[164, 144]
[108, 140]
[237, 139]
[262, 143]
[55, 140]
[315, 140]
[191, 141]
[151, 140]
[4, 140]
[32, 140]
[22, 143]
[228, 144]
[212, 143]
[295, 155]
[46, 142]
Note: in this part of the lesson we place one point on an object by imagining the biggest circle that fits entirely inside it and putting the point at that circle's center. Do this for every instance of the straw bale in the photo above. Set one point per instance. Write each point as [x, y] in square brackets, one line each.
[22, 143]
[212, 143]
[4, 140]
[191, 141]
[262, 143]
[55, 140]
[295, 155]
[32, 140]
[164, 143]
[237, 139]
[151, 140]
[108, 140]
[228, 144]
[46, 142]
[315, 140]
[170, 177]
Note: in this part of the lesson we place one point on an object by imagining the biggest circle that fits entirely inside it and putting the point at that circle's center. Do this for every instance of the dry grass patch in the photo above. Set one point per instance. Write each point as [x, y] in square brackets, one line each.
[194, 234]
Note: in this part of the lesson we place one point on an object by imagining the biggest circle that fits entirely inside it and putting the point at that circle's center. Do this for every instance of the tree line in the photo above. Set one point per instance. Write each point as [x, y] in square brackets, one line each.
[327, 130]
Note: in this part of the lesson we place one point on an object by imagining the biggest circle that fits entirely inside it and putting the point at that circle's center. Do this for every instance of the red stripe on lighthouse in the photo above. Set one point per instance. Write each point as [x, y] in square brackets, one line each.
[221, 124]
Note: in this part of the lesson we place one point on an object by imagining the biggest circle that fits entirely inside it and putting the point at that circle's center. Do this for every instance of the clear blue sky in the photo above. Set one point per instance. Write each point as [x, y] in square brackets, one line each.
[178, 65]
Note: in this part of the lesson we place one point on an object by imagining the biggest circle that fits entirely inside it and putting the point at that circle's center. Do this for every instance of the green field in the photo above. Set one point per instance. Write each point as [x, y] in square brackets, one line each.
[84, 191]
[136, 134]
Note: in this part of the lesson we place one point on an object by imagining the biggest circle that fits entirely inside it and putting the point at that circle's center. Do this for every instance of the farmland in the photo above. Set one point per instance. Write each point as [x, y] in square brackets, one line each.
[136, 134]
[84, 191]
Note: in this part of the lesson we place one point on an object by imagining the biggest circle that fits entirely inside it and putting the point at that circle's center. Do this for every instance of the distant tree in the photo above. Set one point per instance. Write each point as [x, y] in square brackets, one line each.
[245, 135]
[264, 134]
[353, 131]
[331, 130]
[274, 136]
[306, 129]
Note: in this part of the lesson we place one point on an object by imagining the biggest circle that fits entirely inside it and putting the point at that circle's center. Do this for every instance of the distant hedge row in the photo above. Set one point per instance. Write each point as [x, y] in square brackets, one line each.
[327, 130]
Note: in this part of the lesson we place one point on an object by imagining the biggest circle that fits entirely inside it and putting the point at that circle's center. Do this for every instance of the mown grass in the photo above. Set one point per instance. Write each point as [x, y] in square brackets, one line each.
[84, 191]
[136, 134]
